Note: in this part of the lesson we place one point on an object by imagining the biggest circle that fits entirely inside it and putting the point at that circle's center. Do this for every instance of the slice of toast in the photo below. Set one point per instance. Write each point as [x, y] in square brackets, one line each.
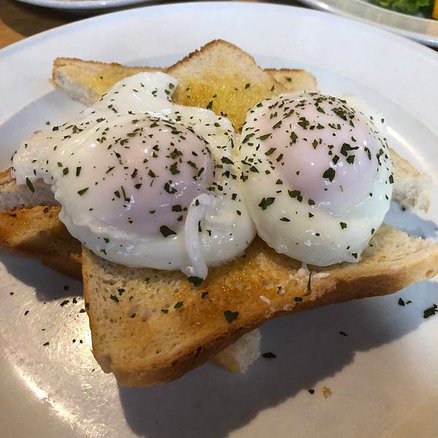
[293, 80]
[37, 232]
[223, 78]
[152, 326]
[413, 187]
[86, 81]
[165, 288]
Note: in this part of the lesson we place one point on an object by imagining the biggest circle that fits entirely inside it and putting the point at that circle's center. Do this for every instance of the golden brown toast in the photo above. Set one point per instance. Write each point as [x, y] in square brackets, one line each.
[150, 326]
[86, 81]
[37, 232]
[293, 79]
[129, 348]
[224, 79]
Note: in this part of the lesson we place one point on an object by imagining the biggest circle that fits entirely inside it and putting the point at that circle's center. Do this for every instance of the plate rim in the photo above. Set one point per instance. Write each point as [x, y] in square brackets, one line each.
[217, 3]
[83, 5]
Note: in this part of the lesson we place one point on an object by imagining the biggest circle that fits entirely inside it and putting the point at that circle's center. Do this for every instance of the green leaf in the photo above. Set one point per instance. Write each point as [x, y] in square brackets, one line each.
[178, 305]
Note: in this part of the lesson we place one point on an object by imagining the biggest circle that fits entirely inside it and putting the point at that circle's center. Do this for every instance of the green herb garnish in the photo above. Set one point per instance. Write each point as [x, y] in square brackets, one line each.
[230, 316]
[30, 185]
[178, 305]
[196, 281]
[82, 191]
[430, 311]
[266, 202]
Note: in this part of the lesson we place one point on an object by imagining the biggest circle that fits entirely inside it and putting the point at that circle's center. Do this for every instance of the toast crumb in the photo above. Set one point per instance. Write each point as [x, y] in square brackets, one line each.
[326, 392]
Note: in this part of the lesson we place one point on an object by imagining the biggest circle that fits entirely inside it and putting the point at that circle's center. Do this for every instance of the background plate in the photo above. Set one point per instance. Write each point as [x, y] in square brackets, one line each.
[420, 29]
[382, 376]
[85, 5]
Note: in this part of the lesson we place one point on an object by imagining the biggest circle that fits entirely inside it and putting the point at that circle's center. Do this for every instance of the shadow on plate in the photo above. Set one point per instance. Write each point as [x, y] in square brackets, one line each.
[409, 222]
[309, 348]
[48, 284]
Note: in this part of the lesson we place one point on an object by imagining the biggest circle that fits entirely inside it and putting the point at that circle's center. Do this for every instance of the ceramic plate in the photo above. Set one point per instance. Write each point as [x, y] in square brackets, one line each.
[376, 378]
[420, 29]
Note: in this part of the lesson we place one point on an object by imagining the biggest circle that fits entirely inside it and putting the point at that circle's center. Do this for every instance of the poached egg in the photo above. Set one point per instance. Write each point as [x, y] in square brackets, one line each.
[144, 182]
[317, 177]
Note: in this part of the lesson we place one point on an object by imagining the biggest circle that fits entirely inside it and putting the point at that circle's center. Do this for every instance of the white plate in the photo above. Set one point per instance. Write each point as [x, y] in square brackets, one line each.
[421, 29]
[85, 5]
[383, 375]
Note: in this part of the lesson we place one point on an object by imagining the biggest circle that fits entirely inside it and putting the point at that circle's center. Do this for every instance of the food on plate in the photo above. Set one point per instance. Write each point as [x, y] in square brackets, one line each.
[427, 7]
[317, 177]
[152, 325]
[136, 176]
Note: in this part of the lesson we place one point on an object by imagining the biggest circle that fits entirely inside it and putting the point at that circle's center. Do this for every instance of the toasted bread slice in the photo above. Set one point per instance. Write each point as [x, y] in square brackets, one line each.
[152, 326]
[413, 187]
[86, 81]
[293, 80]
[223, 78]
[83, 78]
[37, 232]
[29, 226]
